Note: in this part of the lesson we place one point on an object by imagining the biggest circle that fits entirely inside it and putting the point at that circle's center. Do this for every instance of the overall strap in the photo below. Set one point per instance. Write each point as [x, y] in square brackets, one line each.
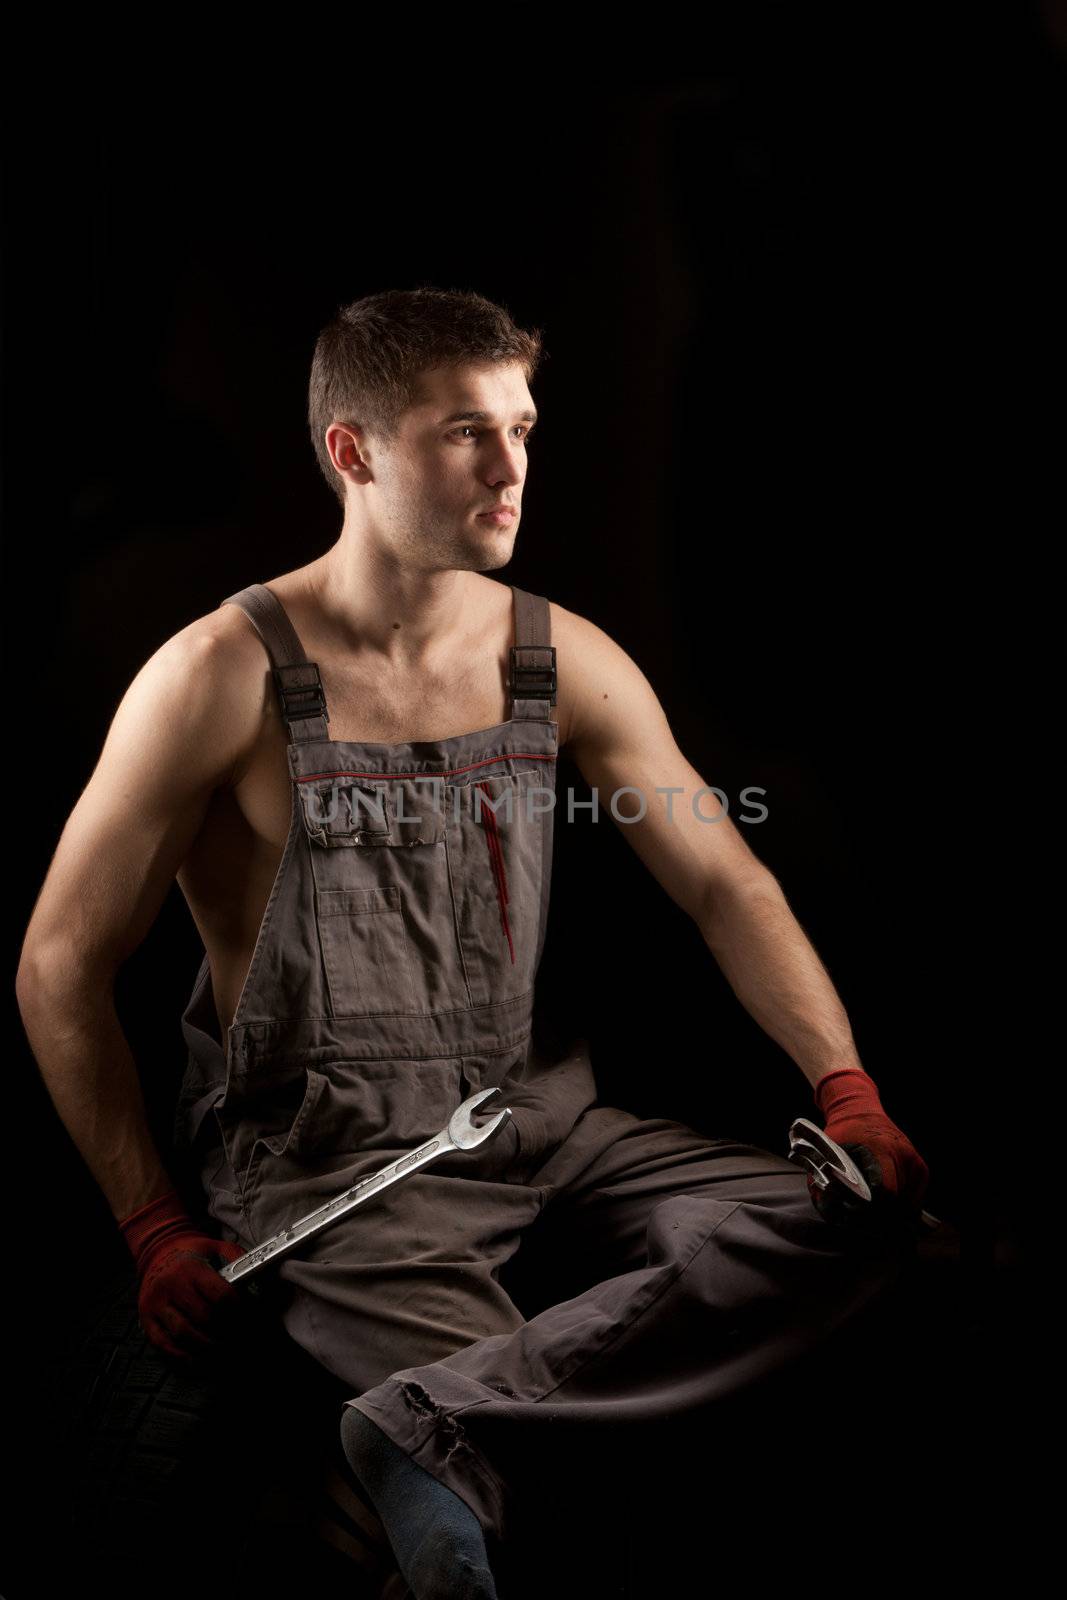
[300, 693]
[532, 681]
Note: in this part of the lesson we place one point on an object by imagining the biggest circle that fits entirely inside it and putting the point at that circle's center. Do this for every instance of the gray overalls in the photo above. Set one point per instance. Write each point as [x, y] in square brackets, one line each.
[393, 976]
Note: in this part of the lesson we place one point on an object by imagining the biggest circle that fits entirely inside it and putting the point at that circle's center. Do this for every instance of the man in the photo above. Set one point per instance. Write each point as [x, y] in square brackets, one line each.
[370, 878]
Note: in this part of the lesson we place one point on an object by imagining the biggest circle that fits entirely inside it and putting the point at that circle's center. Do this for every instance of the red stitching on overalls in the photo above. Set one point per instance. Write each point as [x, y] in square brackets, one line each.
[496, 859]
[450, 772]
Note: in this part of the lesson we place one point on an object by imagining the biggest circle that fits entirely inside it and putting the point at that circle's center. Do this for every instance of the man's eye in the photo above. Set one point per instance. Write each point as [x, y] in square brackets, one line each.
[467, 428]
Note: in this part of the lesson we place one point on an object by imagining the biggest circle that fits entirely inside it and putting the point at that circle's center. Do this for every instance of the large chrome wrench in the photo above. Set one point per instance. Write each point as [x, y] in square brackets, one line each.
[461, 1134]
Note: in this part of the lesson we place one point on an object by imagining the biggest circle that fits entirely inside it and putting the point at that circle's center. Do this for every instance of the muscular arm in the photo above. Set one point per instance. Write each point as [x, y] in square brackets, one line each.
[182, 727]
[618, 735]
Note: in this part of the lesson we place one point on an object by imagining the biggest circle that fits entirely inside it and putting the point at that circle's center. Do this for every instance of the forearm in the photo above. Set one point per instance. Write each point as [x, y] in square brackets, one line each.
[775, 973]
[90, 1074]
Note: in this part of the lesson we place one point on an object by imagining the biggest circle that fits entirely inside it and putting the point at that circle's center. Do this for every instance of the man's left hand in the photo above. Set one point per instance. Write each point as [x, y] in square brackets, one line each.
[855, 1119]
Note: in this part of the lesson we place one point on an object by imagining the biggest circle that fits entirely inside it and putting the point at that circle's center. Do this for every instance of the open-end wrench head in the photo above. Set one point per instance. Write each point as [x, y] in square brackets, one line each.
[825, 1159]
[464, 1133]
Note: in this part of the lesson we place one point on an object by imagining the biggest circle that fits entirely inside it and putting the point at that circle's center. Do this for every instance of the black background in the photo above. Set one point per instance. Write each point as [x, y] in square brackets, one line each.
[795, 289]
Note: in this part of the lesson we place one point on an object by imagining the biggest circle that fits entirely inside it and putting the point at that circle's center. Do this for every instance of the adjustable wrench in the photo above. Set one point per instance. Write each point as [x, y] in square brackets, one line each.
[828, 1162]
[461, 1133]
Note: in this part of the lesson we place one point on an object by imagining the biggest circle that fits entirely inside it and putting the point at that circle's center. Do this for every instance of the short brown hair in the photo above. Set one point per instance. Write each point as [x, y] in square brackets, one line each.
[367, 361]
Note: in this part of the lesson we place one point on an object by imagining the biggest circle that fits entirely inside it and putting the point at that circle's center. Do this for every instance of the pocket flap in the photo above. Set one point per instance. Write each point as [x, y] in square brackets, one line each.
[290, 1139]
[353, 902]
[273, 1117]
[354, 813]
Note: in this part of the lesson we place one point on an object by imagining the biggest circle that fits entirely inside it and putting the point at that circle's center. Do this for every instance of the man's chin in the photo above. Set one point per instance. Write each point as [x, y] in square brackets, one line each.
[493, 560]
[494, 551]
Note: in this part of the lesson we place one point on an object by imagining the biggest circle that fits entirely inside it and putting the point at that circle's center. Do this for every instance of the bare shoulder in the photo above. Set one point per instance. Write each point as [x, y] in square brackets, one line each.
[224, 648]
[225, 639]
[599, 683]
[206, 687]
[578, 634]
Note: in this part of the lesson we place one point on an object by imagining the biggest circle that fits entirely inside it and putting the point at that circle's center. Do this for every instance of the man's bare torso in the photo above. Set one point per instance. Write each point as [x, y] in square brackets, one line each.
[228, 873]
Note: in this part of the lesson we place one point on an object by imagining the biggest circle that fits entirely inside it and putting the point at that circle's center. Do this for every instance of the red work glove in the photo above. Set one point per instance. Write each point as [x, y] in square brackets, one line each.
[183, 1301]
[853, 1117]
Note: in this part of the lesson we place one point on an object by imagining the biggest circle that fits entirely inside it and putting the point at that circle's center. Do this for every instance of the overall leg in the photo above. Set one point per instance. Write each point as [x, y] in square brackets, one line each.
[713, 1271]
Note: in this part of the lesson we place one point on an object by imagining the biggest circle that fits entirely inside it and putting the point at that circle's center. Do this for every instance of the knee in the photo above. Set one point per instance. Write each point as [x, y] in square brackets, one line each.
[350, 1428]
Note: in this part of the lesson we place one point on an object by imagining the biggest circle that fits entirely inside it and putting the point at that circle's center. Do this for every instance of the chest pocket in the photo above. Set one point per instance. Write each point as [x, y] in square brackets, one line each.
[383, 907]
[365, 952]
[495, 835]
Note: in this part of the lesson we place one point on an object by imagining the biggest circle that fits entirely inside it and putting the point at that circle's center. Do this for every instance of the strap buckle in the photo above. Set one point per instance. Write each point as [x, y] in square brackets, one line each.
[300, 700]
[533, 681]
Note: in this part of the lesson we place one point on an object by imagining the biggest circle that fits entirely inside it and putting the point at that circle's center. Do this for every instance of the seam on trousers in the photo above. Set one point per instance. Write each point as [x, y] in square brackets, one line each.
[633, 1321]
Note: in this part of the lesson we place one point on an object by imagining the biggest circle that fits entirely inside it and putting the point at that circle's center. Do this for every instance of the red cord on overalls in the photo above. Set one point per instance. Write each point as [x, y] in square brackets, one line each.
[496, 861]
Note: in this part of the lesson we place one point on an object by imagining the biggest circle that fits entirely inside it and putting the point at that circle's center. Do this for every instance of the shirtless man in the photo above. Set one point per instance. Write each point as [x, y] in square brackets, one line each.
[202, 778]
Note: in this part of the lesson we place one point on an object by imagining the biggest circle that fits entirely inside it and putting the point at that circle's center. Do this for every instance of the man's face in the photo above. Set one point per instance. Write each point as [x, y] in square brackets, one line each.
[460, 452]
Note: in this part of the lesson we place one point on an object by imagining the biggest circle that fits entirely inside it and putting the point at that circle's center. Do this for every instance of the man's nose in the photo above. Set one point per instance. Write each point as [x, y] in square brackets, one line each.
[507, 465]
[507, 470]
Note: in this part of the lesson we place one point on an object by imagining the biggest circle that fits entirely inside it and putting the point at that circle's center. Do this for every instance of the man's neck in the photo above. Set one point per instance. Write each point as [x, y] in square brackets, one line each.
[407, 617]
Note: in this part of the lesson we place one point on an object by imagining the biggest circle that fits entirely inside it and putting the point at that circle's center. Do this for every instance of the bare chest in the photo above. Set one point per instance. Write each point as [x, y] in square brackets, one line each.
[228, 875]
[368, 717]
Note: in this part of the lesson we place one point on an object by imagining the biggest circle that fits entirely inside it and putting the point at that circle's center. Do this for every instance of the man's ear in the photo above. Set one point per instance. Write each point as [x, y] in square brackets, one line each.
[345, 442]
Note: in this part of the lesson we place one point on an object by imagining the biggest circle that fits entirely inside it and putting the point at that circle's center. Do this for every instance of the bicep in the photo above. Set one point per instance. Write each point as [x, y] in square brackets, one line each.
[674, 819]
[169, 746]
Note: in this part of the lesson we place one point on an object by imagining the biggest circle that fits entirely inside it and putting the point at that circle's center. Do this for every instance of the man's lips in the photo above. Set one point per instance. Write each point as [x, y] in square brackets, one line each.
[500, 513]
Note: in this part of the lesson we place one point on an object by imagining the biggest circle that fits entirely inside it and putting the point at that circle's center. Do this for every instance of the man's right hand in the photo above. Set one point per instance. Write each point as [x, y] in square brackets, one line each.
[184, 1302]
